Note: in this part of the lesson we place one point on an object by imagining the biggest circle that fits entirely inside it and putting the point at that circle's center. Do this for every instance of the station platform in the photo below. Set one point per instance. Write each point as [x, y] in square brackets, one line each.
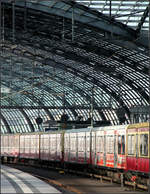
[16, 181]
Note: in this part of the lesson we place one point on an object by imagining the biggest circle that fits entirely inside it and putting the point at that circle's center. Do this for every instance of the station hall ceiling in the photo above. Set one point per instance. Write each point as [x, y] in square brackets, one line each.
[73, 57]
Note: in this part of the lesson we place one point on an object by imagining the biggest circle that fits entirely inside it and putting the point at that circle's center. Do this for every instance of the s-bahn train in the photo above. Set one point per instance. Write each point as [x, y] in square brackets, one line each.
[122, 148]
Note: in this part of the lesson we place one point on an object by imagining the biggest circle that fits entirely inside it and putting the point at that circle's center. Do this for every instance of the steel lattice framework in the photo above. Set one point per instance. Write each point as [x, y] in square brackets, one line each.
[61, 56]
[133, 13]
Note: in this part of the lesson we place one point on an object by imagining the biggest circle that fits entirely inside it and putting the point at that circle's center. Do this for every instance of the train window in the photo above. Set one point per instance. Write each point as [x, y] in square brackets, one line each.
[110, 144]
[73, 143]
[131, 144]
[144, 144]
[100, 144]
[88, 143]
[121, 144]
[81, 143]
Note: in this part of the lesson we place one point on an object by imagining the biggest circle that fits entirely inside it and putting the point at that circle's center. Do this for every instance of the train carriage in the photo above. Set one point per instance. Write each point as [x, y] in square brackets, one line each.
[29, 146]
[4, 145]
[113, 148]
[10, 145]
[109, 148]
[138, 154]
[51, 146]
[76, 149]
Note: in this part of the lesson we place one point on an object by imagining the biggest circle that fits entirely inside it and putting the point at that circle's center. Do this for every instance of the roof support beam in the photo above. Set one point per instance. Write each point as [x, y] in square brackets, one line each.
[27, 118]
[55, 107]
[94, 18]
[145, 14]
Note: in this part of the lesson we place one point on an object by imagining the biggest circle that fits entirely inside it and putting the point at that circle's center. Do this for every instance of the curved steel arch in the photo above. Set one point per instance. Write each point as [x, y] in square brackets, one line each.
[129, 82]
[84, 19]
[84, 75]
[94, 18]
[5, 122]
[78, 91]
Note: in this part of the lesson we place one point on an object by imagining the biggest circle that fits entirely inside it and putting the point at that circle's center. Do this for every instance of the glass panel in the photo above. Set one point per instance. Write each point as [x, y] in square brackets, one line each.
[144, 145]
[119, 144]
[131, 144]
[123, 144]
[110, 144]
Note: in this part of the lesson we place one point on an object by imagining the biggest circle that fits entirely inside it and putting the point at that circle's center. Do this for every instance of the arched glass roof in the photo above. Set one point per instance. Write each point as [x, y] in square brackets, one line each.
[60, 56]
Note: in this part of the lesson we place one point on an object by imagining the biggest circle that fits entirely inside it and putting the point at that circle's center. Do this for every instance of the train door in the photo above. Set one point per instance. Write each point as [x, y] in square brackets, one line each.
[104, 148]
[136, 151]
[115, 151]
[93, 148]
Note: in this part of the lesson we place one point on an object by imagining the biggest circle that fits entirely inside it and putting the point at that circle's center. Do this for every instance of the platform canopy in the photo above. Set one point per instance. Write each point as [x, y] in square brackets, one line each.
[82, 58]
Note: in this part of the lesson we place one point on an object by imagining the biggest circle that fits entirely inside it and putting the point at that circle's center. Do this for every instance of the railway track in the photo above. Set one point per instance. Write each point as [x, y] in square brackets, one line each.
[62, 173]
[60, 185]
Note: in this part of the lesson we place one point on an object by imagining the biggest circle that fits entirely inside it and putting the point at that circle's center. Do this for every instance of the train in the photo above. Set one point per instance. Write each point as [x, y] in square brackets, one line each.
[108, 149]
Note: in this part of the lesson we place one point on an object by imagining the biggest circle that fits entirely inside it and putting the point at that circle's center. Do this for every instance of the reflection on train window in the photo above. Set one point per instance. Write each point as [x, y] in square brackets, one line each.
[121, 144]
[144, 145]
[131, 144]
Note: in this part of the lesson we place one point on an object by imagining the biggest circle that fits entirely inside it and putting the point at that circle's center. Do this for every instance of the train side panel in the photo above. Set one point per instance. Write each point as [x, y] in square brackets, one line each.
[110, 148]
[93, 148]
[138, 154]
[29, 146]
[15, 146]
[121, 145]
[100, 148]
[10, 145]
[143, 151]
[53, 147]
[59, 148]
[81, 146]
[66, 147]
[44, 146]
[34, 146]
[50, 147]
[4, 145]
[87, 149]
[73, 147]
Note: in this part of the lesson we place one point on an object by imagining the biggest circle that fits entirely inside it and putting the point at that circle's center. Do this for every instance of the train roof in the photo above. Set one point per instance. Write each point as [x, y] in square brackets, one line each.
[104, 128]
[139, 125]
